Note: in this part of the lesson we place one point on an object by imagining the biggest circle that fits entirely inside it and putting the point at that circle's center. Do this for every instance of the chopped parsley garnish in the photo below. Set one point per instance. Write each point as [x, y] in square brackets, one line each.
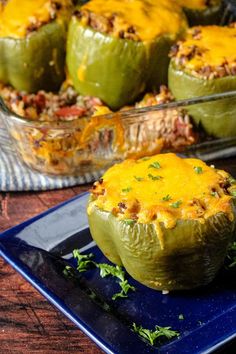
[214, 194]
[198, 170]
[129, 221]
[181, 317]
[125, 287]
[154, 178]
[118, 272]
[107, 269]
[84, 263]
[139, 179]
[155, 164]
[166, 198]
[127, 190]
[152, 335]
[176, 204]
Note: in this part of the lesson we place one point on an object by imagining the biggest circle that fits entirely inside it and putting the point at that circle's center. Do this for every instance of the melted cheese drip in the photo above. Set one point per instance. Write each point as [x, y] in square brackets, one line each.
[151, 18]
[16, 16]
[130, 183]
[217, 45]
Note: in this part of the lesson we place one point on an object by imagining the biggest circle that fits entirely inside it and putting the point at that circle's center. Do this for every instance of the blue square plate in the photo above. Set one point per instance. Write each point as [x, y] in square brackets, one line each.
[40, 248]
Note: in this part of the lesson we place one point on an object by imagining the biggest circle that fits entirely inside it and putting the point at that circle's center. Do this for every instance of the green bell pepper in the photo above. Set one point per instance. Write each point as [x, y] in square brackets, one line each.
[37, 60]
[113, 69]
[192, 255]
[217, 117]
[209, 16]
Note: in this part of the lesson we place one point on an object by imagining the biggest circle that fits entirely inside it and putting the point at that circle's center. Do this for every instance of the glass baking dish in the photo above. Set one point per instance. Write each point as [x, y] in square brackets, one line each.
[88, 145]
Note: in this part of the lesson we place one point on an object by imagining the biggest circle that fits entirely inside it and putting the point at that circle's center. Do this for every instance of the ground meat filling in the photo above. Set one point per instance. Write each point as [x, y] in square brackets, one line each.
[173, 127]
[194, 56]
[107, 25]
[48, 106]
[35, 24]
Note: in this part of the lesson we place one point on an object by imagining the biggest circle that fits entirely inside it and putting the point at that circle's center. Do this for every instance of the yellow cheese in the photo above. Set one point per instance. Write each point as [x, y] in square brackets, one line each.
[16, 16]
[163, 189]
[216, 44]
[150, 18]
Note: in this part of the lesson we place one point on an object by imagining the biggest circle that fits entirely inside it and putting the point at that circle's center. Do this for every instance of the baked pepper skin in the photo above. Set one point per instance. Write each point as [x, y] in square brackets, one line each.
[209, 16]
[113, 69]
[217, 118]
[35, 62]
[193, 252]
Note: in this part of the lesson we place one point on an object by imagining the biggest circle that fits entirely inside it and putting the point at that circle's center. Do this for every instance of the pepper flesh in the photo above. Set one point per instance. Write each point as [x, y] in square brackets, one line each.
[218, 117]
[209, 16]
[168, 220]
[35, 61]
[114, 69]
[193, 252]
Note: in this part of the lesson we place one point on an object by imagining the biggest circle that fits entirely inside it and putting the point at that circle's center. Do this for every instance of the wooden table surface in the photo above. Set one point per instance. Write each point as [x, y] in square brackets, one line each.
[28, 323]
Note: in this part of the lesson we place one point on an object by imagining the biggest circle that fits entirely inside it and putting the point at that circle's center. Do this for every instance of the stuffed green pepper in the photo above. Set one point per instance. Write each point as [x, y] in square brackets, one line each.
[32, 43]
[167, 220]
[204, 64]
[118, 49]
[202, 12]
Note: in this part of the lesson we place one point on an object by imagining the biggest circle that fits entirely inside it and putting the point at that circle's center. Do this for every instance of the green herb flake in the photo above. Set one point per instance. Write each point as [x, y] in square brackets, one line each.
[84, 261]
[139, 179]
[154, 178]
[127, 190]
[107, 269]
[214, 194]
[68, 272]
[198, 170]
[152, 335]
[166, 198]
[125, 288]
[155, 164]
[129, 221]
[176, 204]
[181, 317]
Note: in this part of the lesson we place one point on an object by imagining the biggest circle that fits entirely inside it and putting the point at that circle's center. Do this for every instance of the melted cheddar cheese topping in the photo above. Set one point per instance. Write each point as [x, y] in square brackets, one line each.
[150, 18]
[17, 16]
[212, 46]
[162, 189]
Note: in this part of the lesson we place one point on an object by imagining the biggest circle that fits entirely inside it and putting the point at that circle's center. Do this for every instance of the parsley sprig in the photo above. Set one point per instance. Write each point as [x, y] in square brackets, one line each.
[155, 164]
[154, 178]
[85, 262]
[176, 204]
[126, 190]
[152, 335]
[198, 169]
[139, 179]
[166, 198]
